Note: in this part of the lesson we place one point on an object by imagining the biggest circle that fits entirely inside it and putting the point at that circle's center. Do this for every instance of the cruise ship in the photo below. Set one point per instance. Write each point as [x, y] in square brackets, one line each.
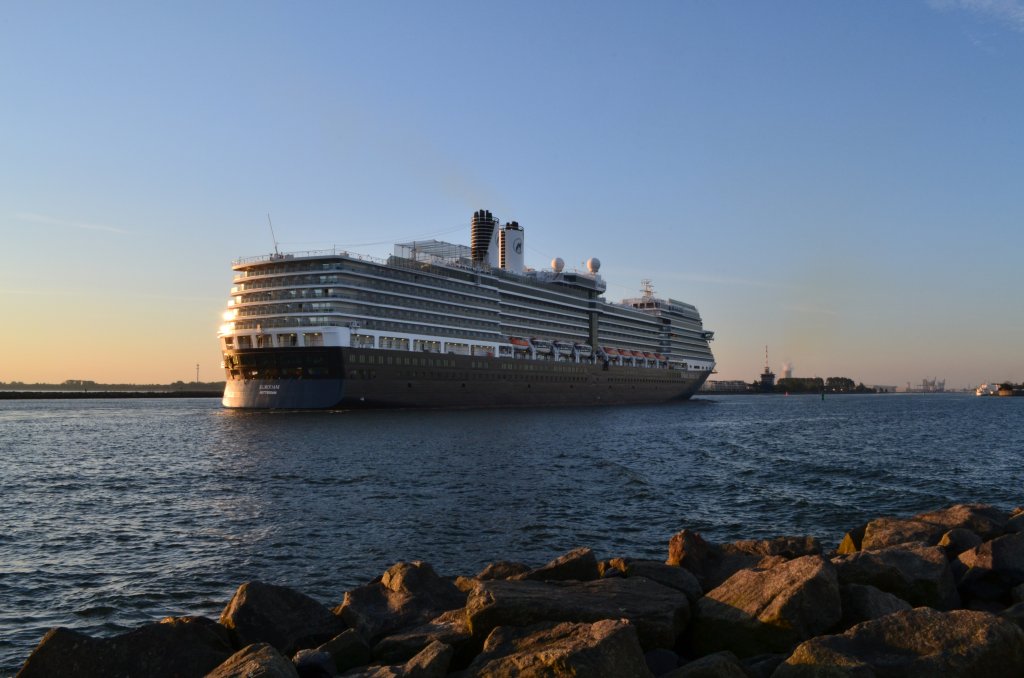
[446, 325]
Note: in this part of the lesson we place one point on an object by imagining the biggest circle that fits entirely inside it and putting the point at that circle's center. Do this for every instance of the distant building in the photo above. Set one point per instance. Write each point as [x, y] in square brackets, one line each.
[883, 389]
[767, 383]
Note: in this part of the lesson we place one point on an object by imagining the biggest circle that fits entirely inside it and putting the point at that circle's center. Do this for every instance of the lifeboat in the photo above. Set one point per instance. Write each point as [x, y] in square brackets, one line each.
[637, 354]
[660, 357]
[541, 345]
[516, 341]
[650, 356]
[563, 346]
[585, 350]
[611, 351]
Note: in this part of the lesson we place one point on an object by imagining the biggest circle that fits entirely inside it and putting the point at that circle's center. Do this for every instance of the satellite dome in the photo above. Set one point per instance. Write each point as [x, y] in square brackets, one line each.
[593, 264]
[557, 264]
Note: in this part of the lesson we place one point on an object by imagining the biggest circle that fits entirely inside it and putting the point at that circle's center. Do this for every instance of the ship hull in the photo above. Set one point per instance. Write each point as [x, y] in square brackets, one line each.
[344, 378]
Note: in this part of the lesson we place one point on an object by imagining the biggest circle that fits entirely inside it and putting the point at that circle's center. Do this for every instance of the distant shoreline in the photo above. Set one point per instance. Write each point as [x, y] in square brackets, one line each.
[78, 395]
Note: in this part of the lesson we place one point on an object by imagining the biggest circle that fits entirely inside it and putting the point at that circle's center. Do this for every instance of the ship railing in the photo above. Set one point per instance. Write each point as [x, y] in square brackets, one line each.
[286, 256]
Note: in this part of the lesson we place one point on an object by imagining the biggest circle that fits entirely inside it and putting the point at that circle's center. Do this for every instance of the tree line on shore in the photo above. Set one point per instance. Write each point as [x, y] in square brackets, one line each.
[87, 385]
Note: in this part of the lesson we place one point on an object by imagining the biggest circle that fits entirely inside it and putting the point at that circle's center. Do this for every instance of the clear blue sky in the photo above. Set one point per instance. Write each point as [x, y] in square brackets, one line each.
[839, 181]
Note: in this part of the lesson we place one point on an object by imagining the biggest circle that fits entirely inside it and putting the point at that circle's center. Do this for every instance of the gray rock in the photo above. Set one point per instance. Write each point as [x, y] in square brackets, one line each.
[958, 540]
[407, 595]
[502, 569]
[175, 646]
[718, 665]
[283, 617]
[883, 532]
[576, 565]
[918, 574]
[983, 520]
[862, 602]
[348, 650]
[661, 661]
[914, 643]
[991, 571]
[450, 628]
[259, 660]
[604, 648]
[314, 664]
[755, 612]
[672, 576]
[659, 613]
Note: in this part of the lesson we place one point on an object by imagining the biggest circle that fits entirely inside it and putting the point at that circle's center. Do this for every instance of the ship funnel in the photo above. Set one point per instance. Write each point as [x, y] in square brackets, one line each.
[484, 237]
[510, 245]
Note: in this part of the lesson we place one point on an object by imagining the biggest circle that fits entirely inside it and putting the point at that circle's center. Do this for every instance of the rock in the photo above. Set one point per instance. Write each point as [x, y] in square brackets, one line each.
[431, 662]
[259, 660]
[882, 532]
[661, 661]
[852, 541]
[175, 646]
[918, 574]
[604, 648]
[672, 576]
[659, 613]
[712, 564]
[919, 642]
[718, 665]
[861, 602]
[1014, 613]
[314, 664]
[763, 665]
[1015, 523]
[1017, 594]
[689, 550]
[983, 520]
[407, 595]
[348, 650]
[451, 628]
[577, 565]
[502, 569]
[754, 612]
[785, 547]
[990, 571]
[283, 617]
[958, 540]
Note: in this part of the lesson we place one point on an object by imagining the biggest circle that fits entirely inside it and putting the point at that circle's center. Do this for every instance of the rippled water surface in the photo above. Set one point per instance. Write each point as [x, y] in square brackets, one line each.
[119, 512]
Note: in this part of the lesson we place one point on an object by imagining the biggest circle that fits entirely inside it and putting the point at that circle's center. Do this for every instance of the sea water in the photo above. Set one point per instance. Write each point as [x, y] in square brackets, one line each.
[120, 512]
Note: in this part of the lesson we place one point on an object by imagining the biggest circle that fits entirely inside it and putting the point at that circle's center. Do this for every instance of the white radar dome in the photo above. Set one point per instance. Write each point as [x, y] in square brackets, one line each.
[593, 264]
[557, 264]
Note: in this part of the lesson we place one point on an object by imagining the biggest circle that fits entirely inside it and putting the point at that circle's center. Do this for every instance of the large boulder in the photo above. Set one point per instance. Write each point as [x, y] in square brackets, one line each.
[882, 532]
[348, 650]
[285, 618]
[991, 571]
[259, 660]
[852, 540]
[759, 611]
[659, 613]
[918, 574]
[407, 595]
[862, 602]
[914, 643]
[432, 662]
[672, 576]
[713, 563]
[604, 648]
[578, 565]
[450, 628]
[502, 569]
[176, 646]
[717, 665]
[958, 540]
[983, 520]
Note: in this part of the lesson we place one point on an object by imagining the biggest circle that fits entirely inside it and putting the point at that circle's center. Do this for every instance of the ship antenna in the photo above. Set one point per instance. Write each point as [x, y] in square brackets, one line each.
[272, 236]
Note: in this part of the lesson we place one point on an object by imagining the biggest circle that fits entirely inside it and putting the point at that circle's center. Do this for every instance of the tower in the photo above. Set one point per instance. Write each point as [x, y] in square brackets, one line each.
[767, 377]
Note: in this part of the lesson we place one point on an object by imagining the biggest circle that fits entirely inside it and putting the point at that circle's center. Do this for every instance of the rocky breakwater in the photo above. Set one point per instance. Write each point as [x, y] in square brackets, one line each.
[936, 594]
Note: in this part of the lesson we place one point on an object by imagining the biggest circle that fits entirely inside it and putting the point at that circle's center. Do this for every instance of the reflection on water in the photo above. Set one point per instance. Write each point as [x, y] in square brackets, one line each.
[121, 512]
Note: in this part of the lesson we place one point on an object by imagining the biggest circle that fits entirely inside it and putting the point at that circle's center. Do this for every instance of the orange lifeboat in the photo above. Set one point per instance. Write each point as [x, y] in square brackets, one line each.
[610, 351]
[516, 341]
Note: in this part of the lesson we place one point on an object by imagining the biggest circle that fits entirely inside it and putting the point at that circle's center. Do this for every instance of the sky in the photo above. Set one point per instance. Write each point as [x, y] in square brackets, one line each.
[838, 181]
